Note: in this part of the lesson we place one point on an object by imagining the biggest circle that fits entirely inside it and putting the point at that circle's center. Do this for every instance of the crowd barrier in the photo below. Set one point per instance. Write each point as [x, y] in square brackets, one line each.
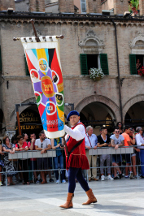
[51, 154]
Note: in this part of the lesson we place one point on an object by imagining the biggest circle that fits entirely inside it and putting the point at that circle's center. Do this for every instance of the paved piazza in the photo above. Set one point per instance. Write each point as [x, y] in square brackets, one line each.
[119, 197]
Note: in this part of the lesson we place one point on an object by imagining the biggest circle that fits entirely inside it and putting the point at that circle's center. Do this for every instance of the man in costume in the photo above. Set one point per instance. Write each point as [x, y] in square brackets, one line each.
[76, 159]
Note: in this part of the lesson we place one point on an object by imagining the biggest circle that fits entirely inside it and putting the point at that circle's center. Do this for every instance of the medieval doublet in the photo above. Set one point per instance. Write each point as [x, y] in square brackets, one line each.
[77, 158]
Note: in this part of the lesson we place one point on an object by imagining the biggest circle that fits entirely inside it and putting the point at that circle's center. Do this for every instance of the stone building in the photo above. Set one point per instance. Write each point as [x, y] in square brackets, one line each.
[89, 41]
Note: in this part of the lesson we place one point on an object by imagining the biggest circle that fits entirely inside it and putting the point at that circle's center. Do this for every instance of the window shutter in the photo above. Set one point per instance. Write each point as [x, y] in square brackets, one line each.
[0, 60]
[83, 62]
[104, 63]
[132, 58]
[26, 67]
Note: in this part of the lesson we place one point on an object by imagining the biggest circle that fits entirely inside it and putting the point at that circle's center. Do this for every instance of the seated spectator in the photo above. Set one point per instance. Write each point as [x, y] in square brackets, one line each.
[42, 144]
[57, 145]
[140, 145]
[33, 161]
[22, 146]
[127, 156]
[133, 156]
[1, 162]
[91, 142]
[117, 141]
[104, 141]
[8, 165]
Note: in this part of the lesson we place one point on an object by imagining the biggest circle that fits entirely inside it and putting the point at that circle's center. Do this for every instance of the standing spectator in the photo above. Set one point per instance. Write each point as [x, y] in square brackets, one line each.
[42, 145]
[133, 156]
[22, 146]
[127, 156]
[1, 162]
[91, 142]
[120, 126]
[33, 161]
[8, 166]
[138, 65]
[104, 141]
[117, 141]
[57, 145]
[25, 138]
[140, 144]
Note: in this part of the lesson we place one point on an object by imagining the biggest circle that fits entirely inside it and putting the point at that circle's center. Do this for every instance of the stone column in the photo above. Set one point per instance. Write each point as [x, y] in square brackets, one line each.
[5, 4]
[37, 5]
[66, 6]
[120, 6]
[141, 7]
[94, 6]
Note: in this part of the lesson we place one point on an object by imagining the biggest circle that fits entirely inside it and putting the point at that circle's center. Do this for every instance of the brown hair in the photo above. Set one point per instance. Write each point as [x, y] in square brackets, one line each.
[19, 137]
[4, 139]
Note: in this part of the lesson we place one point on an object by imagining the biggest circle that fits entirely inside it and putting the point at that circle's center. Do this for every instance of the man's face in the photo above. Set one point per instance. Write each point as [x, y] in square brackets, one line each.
[74, 119]
[117, 132]
[128, 130]
[42, 137]
[104, 131]
[141, 132]
[25, 136]
[90, 131]
[33, 136]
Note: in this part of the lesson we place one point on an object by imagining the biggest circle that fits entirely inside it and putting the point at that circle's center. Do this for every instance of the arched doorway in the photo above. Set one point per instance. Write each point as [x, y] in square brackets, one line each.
[135, 115]
[30, 121]
[97, 114]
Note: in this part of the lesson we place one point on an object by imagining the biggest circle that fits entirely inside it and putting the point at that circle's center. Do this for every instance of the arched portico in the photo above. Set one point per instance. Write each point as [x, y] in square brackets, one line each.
[109, 104]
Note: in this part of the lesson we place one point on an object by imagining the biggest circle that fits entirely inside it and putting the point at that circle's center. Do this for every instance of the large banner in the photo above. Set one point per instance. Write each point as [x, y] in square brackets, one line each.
[44, 65]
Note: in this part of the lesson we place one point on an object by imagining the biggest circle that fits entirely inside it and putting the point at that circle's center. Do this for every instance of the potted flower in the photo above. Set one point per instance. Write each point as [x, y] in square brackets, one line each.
[133, 6]
[96, 74]
[141, 71]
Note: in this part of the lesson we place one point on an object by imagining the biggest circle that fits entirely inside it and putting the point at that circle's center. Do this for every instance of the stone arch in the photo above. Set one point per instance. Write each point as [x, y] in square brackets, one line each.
[91, 40]
[135, 40]
[102, 99]
[131, 102]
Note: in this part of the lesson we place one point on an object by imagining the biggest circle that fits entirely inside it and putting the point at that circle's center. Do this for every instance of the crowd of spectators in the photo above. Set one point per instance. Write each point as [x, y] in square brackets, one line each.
[37, 170]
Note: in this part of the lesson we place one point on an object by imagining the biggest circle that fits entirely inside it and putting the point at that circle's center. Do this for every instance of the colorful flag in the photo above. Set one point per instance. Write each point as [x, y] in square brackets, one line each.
[44, 65]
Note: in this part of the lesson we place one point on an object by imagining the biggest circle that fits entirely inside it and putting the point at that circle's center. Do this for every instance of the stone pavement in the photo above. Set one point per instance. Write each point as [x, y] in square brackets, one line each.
[115, 198]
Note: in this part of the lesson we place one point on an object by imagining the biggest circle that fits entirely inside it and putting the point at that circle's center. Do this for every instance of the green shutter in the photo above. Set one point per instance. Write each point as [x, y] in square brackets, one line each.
[26, 67]
[104, 63]
[83, 62]
[132, 58]
[0, 60]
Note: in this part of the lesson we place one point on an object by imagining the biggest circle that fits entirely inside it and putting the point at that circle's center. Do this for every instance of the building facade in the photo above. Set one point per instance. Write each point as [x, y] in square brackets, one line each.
[89, 41]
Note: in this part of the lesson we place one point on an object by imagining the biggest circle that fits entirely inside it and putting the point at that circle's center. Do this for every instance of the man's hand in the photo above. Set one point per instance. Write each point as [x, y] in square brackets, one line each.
[32, 140]
[138, 150]
[42, 151]
[105, 144]
[95, 147]
[58, 146]
[88, 147]
[116, 147]
[11, 152]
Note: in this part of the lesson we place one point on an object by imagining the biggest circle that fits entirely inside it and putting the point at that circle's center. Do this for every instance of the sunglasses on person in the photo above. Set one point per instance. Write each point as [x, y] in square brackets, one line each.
[117, 131]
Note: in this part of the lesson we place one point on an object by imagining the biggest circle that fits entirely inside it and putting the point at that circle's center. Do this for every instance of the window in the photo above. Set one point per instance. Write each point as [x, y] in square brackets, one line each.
[26, 67]
[83, 6]
[136, 62]
[89, 61]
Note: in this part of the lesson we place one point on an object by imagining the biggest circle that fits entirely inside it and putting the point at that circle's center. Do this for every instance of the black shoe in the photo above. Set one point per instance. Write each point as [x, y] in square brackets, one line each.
[51, 180]
[116, 177]
[142, 176]
[120, 176]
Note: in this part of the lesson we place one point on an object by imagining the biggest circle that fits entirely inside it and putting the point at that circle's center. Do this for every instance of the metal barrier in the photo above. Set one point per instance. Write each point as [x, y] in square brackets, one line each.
[24, 155]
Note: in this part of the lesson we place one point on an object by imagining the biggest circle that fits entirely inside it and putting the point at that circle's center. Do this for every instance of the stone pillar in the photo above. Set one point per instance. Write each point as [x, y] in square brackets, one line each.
[94, 6]
[5, 4]
[141, 7]
[37, 5]
[66, 6]
[120, 6]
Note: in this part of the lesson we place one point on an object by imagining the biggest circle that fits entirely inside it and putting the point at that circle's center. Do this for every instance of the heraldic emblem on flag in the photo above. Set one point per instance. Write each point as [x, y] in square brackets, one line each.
[43, 61]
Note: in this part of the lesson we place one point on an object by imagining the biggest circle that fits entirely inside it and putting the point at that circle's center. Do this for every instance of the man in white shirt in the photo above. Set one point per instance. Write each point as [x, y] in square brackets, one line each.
[140, 144]
[91, 143]
[42, 145]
